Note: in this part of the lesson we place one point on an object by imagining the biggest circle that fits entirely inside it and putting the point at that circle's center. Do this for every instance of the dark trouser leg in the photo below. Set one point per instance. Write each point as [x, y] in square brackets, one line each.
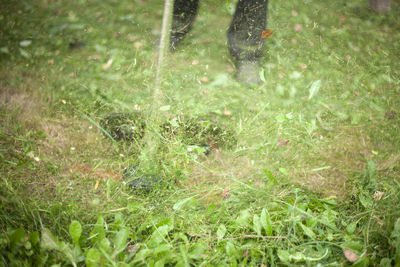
[244, 37]
[244, 34]
[184, 14]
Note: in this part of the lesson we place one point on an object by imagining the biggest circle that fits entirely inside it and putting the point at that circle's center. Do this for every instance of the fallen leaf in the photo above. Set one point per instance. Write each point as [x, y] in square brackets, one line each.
[350, 255]
[96, 185]
[137, 45]
[107, 65]
[303, 67]
[378, 195]
[282, 142]
[298, 28]
[204, 79]
[63, 101]
[266, 33]
[225, 192]
[50, 61]
[227, 113]
[348, 57]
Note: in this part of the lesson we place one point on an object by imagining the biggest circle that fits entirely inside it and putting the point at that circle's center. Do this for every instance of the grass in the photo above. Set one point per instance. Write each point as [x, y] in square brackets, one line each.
[313, 178]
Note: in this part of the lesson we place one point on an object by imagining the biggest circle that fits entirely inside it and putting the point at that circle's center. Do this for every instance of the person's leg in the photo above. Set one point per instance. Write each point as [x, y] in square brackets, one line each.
[244, 37]
[184, 15]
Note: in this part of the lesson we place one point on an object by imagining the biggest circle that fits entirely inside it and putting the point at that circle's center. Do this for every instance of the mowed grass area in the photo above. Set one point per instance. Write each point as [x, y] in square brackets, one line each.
[313, 178]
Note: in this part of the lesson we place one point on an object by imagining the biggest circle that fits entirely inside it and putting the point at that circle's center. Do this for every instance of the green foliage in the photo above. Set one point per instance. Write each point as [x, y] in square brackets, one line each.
[199, 132]
[18, 248]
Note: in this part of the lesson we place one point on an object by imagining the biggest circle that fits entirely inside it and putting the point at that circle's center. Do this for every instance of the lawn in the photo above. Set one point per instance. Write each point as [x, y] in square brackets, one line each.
[303, 169]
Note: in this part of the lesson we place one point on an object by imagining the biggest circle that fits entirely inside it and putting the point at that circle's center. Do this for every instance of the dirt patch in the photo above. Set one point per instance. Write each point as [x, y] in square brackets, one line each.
[349, 151]
[64, 141]
[89, 171]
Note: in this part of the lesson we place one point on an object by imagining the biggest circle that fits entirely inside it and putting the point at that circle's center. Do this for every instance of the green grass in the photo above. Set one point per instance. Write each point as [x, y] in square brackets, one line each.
[314, 173]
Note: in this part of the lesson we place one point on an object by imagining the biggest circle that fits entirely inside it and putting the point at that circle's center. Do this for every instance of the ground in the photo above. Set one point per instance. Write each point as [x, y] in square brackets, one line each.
[313, 177]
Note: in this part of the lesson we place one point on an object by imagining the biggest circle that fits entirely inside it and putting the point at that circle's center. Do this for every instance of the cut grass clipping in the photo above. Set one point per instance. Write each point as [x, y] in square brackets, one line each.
[193, 131]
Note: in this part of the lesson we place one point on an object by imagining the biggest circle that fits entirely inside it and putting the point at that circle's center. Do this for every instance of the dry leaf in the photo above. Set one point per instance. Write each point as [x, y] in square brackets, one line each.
[50, 61]
[107, 65]
[204, 79]
[378, 195]
[96, 185]
[348, 57]
[266, 33]
[303, 67]
[282, 142]
[298, 28]
[225, 192]
[137, 45]
[227, 113]
[350, 255]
